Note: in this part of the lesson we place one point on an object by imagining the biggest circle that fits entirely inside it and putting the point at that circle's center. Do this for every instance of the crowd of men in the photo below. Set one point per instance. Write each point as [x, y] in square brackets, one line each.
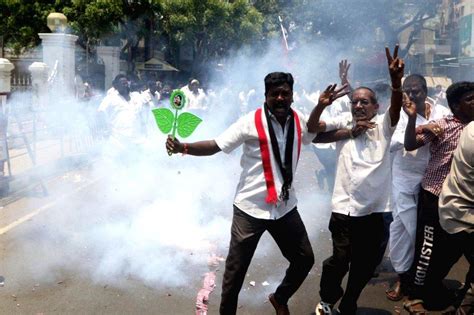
[403, 176]
[418, 152]
[125, 116]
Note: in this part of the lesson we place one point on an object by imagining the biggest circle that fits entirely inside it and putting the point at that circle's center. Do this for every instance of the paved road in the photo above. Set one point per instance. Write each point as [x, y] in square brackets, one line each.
[87, 249]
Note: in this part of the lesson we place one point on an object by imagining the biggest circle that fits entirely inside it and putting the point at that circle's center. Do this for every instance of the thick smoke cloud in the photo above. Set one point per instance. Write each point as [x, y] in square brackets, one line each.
[158, 218]
[149, 215]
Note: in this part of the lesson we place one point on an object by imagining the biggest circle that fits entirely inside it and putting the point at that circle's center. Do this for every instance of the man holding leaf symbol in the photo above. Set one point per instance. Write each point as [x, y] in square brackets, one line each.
[265, 198]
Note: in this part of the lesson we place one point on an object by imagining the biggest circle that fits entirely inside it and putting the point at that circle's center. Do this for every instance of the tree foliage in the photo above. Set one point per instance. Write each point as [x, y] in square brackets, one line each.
[20, 23]
[91, 20]
[212, 28]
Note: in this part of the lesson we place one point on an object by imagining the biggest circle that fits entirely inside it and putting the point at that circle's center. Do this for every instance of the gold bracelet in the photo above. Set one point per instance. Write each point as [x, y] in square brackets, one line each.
[398, 89]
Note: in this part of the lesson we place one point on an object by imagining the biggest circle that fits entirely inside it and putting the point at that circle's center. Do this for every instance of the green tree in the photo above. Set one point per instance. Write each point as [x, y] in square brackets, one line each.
[91, 20]
[109, 21]
[21, 22]
[211, 28]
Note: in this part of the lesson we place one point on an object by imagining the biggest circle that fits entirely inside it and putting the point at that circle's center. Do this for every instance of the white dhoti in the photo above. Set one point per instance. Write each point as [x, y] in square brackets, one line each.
[407, 172]
[403, 230]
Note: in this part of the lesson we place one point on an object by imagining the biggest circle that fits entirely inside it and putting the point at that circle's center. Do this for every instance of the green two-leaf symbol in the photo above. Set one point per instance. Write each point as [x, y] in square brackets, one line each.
[187, 123]
[164, 119]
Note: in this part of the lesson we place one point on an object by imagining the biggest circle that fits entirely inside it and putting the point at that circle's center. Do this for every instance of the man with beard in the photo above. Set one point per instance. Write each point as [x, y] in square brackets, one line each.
[361, 192]
[265, 198]
[407, 172]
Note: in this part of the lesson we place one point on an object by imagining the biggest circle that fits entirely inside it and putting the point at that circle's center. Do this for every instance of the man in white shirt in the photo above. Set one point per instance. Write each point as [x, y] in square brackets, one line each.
[407, 172]
[121, 114]
[196, 98]
[456, 213]
[246, 97]
[151, 98]
[434, 255]
[265, 198]
[361, 193]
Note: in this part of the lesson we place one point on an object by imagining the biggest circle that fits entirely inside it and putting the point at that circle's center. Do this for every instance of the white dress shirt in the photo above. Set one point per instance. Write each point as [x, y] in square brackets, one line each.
[252, 190]
[194, 101]
[150, 99]
[363, 178]
[123, 117]
[340, 109]
[409, 166]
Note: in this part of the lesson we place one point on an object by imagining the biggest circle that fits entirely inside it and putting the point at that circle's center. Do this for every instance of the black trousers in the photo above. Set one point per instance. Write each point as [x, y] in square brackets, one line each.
[387, 219]
[459, 244]
[291, 237]
[436, 252]
[356, 245]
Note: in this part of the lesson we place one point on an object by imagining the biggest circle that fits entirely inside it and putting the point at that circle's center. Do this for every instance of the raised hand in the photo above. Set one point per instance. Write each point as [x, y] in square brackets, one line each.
[173, 145]
[344, 71]
[409, 107]
[331, 94]
[396, 66]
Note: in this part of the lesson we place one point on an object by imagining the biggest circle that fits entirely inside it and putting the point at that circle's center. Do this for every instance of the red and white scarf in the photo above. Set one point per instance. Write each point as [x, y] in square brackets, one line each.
[273, 178]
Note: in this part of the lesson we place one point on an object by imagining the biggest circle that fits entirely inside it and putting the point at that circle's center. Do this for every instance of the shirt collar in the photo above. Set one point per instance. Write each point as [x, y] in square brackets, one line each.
[276, 120]
[371, 119]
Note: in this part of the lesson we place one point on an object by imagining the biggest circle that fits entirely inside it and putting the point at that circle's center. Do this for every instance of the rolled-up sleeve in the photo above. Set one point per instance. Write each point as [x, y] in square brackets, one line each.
[342, 121]
[233, 136]
[306, 137]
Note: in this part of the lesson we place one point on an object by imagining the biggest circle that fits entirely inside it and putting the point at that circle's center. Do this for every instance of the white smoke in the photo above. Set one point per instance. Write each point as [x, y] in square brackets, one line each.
[157, 218]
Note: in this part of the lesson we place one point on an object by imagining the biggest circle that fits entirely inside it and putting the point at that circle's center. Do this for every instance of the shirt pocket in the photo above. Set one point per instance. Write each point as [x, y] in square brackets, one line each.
[370, 148]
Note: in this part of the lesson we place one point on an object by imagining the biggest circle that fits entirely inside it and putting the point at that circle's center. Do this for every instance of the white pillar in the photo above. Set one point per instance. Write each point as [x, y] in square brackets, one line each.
[111, 57]
[39, 82]
[6, 68]
[61, 48]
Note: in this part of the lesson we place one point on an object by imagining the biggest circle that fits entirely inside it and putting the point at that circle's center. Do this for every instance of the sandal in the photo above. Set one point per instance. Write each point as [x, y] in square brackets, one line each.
[394, 293]
[415, 307]
[450, 310]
